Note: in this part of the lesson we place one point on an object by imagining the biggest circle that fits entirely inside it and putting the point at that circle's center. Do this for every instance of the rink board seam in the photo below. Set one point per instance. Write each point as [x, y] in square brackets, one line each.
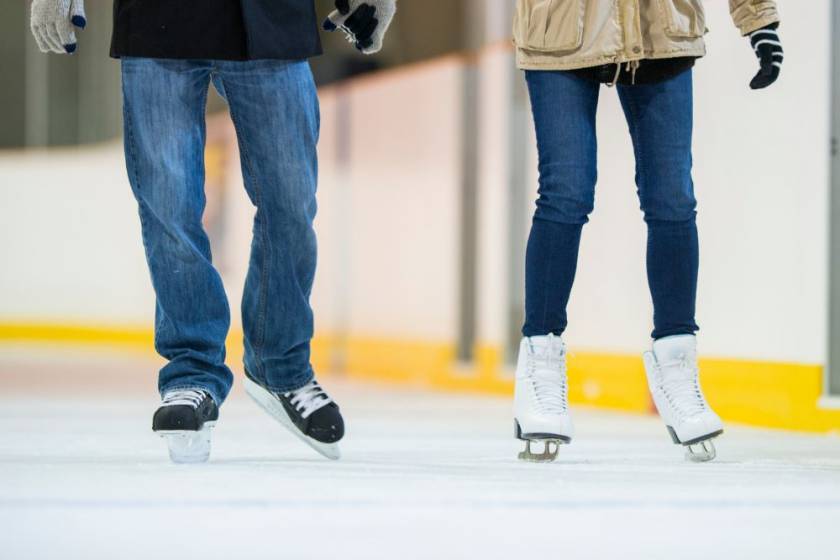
[768, 394]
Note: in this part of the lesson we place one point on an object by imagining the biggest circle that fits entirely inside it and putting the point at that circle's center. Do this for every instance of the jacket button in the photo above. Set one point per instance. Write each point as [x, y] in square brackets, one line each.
[637, 50]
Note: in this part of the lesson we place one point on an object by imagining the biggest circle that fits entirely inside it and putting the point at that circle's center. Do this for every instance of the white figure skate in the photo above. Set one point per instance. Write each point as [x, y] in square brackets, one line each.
[540, 402]
[673, 379]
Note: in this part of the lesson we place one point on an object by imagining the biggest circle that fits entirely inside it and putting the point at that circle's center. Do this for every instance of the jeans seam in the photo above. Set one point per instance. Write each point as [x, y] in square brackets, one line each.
[201, 110]
[548, 273]
[640, 160]
[134, 180]
[263, 296]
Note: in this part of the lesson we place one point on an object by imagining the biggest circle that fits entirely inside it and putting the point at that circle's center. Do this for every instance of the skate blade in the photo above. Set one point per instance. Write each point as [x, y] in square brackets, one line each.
[188, 447]
[274, 409]
[549, 454]
[701, 452]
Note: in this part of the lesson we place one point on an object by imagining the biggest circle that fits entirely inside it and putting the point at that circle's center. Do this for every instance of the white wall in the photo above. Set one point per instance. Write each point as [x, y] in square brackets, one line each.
[70, 246]
[70, 249]
[763, 177]
[402, 213]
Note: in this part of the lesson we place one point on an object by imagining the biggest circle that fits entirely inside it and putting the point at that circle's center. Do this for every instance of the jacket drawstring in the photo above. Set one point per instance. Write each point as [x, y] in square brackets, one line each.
[631, 67]
[617, 74]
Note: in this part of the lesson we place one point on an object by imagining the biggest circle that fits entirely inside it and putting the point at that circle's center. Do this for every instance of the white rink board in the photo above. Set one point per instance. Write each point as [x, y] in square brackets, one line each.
[424, 476]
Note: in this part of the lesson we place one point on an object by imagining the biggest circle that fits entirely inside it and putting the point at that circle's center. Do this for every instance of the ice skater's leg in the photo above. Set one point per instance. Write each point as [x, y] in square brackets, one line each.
[660, 121]
[274, 106]
[564, 109]
[164, 102]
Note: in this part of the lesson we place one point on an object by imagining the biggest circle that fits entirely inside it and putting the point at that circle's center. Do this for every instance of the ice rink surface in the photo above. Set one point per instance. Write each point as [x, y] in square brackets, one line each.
[424, 476]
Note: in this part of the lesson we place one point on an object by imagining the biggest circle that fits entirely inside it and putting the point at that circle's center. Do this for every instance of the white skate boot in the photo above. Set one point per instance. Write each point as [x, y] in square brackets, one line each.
[674, 383]
[540, 402]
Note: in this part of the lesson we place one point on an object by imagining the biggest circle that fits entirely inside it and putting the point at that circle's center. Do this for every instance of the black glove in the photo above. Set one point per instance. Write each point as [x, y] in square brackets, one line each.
[768, 48]
[363, 21]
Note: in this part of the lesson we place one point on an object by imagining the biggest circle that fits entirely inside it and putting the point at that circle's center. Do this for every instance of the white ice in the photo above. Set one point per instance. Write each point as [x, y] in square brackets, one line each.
[423, 476]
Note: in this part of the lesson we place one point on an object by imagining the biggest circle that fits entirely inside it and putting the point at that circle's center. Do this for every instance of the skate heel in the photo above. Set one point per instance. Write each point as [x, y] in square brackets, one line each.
[188, 446]
[697, 450]
[551, 445]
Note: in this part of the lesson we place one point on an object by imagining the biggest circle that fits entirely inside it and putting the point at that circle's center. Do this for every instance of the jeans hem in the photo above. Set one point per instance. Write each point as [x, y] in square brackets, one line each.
[296, 383]
[529, 333]
[193, 387]
[675, 332]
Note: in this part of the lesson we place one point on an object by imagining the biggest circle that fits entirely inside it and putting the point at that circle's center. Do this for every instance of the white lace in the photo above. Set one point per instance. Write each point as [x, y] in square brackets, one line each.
[679, 381]
[348, 34]
[546, 372]
[308, 399]
[188, 397]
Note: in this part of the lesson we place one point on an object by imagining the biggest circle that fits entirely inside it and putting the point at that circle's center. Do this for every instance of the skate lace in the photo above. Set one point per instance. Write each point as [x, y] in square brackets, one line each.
[547, 375]
[184, 397]
[680, 383]
[309, 399]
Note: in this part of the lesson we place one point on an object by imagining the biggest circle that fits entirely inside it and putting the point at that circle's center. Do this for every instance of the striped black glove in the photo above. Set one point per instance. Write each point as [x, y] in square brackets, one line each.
[768, 48]
[365, 22]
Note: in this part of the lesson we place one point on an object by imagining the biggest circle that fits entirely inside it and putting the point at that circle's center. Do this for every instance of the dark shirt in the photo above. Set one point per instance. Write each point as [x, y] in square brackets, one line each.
[648, 72]
[215, 29]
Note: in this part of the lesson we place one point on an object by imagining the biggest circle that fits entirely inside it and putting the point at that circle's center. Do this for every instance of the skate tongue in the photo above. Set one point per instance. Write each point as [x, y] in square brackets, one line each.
[548, 354]
[545, 345]
[675, 348]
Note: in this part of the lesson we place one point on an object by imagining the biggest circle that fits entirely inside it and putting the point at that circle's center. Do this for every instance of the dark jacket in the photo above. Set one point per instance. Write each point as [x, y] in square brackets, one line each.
[215, 29]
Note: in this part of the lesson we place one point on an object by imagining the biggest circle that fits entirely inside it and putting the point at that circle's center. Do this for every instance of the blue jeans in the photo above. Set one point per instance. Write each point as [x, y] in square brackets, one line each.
[660, 121]
[274, 107]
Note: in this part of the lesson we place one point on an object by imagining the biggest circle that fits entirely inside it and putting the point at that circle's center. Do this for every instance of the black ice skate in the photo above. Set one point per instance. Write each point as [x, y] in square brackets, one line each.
[309, 413]
[184, 419]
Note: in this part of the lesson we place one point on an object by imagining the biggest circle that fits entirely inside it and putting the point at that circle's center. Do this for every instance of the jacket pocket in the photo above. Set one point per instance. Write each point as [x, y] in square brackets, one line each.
[549, 25]
[683, 18]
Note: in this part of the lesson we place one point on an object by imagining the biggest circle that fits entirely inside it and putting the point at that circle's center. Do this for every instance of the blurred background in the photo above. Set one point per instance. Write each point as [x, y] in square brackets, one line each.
[428, 182]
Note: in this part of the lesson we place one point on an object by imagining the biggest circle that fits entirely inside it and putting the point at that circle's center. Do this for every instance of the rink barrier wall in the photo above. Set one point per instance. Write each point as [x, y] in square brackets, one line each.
[757, 393]
[360, 297]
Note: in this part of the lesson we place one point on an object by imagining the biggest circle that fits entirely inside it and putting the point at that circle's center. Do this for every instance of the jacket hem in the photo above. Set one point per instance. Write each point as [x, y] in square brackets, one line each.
[603, 59]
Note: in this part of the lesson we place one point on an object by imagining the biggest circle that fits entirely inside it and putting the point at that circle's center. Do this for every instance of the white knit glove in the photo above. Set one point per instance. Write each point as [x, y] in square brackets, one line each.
[365, 22]
[53, 23]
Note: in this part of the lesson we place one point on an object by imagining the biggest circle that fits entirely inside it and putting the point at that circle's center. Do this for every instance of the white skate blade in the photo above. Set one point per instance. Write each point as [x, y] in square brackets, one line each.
[698, 450]
[187, 446]
[269, 404]
[701, 452]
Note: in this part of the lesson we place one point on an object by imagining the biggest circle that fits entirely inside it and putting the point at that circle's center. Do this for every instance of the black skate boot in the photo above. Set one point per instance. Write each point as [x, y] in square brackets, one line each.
[309, 413]
[184, 419]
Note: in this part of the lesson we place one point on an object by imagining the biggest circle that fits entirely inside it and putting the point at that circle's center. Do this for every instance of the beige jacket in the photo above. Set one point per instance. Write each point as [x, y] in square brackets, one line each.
[567, 34]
